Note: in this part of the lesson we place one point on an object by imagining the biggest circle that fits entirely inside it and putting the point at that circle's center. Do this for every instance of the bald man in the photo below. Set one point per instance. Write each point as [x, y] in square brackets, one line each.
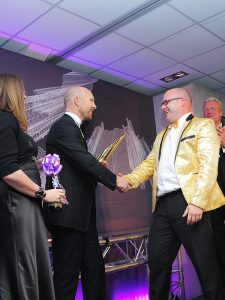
[74, 236]
[183, 163]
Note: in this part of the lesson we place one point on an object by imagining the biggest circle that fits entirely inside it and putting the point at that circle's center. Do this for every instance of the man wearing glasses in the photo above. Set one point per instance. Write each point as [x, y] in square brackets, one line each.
[183, 163]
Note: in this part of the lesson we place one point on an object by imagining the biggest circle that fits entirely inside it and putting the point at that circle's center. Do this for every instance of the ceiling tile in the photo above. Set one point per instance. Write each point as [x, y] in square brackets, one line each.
[79, 65]
[40, 49]
[159, 23]
[108, 49]
[216, 25]
[209, 62]
[141, 86]
[155, 78]
[52, 1]
[219, 75]
[222, 91]
[199, 10]
[142, 63]
[180, 45]
[209, 83]
[58, 29]
[36, 51]
[3, 37]
[100, 11]
[113, 76]
[15, 15]
[15, 45]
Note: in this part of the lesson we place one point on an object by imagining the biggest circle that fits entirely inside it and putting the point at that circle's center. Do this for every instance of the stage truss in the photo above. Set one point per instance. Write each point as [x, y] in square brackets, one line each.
[125, 252]
[130, 251]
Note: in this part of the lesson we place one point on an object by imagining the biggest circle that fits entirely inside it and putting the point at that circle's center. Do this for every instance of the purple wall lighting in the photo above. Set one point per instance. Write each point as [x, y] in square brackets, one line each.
[130, 284]
[125, 293]
[132, 295]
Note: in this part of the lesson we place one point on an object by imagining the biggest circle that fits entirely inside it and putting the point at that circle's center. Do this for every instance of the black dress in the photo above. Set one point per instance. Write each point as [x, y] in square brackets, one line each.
[25, 272]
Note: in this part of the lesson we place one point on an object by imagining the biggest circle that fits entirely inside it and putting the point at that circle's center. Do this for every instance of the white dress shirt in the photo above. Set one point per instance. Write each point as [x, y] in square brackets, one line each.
[167, 177]
[76, 119]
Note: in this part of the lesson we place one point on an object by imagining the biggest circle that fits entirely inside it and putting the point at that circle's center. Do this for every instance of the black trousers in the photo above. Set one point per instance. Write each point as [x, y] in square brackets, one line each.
[218, 219]
[77, 252]
[169, 230]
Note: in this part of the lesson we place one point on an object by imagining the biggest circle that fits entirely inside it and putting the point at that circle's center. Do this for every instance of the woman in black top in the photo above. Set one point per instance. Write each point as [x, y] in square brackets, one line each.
[25, 272]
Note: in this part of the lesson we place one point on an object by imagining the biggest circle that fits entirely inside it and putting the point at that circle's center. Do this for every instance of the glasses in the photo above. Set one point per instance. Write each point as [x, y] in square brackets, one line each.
[165, 102]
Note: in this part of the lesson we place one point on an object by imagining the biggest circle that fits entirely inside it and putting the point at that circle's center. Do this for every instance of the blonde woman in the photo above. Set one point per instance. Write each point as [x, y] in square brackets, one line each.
[25, 271]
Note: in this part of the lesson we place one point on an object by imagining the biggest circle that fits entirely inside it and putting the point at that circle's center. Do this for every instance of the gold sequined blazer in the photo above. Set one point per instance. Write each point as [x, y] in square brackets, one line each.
[196, 164]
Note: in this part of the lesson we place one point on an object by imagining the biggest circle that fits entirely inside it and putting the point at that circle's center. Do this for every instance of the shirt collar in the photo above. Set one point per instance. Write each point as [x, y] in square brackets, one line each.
[76, 119]
[182, 119]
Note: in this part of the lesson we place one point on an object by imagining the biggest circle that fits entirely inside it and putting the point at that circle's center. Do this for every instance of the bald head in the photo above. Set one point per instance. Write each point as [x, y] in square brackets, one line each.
[80, 101]
[180, 92]
[75, 91]
[176, 103]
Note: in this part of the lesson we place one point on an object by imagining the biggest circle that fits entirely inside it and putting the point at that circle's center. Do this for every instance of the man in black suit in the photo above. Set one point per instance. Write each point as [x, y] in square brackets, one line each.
[74, 236]
[213, 110]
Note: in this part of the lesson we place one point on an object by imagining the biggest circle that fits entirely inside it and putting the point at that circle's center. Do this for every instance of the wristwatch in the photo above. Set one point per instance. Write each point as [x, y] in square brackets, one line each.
[40, 193]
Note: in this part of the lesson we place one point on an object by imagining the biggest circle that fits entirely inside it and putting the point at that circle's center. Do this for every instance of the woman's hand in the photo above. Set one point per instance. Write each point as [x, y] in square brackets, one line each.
[56, 196]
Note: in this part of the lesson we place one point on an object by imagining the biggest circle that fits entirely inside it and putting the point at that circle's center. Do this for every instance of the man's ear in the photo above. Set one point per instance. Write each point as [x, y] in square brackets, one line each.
[76, 101]
[183, 101]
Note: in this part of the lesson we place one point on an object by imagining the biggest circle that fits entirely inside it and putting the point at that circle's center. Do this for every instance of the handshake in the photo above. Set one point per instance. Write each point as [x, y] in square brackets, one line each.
[122, 183]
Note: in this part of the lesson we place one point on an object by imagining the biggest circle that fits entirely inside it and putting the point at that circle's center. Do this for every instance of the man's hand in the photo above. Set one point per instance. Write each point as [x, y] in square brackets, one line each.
[104, 163]
[122, 184]
[221, 134]
[193, 213]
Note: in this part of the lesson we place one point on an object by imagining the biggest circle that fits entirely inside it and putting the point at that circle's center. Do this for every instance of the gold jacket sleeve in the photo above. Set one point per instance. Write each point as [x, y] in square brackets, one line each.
[196, 165]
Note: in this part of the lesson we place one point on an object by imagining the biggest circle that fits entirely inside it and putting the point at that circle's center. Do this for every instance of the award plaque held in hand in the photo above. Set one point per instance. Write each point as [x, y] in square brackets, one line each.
[52, 167]
[108, 152]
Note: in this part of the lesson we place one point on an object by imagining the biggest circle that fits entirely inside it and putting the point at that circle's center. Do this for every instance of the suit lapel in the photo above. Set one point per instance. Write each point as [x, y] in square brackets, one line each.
[186, 124]
[162, 142]
[77, 128]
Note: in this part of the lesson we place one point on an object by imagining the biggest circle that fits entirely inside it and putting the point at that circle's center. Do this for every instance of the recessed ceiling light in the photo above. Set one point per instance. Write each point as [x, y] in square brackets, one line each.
[174, 76]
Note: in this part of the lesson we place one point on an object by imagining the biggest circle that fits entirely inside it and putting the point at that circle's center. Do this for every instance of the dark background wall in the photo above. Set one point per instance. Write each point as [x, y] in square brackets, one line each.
[117, 213]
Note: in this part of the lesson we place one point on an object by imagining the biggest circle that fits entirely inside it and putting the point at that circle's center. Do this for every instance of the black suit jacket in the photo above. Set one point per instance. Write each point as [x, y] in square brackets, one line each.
[79, 176]
[221, 166]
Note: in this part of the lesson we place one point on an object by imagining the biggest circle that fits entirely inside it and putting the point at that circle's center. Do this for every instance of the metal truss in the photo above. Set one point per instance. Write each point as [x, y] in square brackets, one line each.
[125, 252]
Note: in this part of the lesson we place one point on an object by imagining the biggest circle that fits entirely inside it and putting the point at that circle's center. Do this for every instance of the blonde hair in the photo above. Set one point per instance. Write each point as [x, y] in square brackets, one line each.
[213, 99]
[12, 98]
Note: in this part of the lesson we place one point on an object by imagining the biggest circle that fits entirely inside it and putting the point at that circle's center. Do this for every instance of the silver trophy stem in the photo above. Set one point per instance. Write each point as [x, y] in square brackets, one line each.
[56, 185]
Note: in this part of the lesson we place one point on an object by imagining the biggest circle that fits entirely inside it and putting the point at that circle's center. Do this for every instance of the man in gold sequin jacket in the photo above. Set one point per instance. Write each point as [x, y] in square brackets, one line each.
[183, 163]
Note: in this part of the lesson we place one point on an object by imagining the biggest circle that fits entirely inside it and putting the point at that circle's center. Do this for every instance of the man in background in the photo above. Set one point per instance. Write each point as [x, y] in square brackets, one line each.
[213, 110]
[75, 243]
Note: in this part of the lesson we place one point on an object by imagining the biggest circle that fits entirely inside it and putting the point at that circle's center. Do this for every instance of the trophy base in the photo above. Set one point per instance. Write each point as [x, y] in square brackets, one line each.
[55, 207]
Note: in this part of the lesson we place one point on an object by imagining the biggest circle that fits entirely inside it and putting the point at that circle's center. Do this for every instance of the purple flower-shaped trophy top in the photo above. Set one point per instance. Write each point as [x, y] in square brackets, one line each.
[51, 164]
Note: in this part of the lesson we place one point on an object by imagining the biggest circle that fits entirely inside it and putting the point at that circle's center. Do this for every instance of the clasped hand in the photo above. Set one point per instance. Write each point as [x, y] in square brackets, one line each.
[122, 183]
[56, 196]
[221, 134]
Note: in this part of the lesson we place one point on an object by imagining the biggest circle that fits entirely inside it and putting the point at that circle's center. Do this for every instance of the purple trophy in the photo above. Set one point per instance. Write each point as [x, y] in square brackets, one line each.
[51, 166]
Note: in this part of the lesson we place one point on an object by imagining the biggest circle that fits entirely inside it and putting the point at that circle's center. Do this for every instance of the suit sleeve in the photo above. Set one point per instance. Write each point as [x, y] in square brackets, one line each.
[67, 138]
[144, 171]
